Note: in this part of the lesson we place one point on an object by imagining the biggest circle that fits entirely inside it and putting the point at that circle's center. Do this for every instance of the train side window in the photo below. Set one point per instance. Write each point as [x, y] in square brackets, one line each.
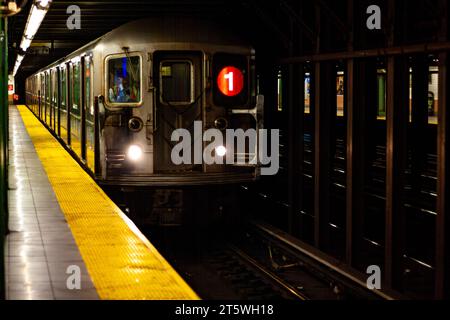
[87, 85]
[63, 87]
[176, 82]
[124, 79]
[42, 88]
[47, 87]
[54, 87]
[76, 89]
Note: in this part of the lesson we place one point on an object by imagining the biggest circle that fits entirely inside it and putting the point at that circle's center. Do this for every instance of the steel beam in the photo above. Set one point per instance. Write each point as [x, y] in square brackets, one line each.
[396, 126]
[443, 194]
[369, 53]
[3, 146]
[355, 103]
[353, 170]
[442, 280]
[295, 112]
[296, 130]
[324, 109]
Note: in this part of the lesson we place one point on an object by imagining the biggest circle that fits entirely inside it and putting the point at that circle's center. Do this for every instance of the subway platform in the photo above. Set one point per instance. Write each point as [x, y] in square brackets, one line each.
[67, 239]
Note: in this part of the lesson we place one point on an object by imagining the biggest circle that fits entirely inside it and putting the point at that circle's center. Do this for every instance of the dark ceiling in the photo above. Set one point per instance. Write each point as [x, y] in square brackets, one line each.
[100, 16]
[269, 25]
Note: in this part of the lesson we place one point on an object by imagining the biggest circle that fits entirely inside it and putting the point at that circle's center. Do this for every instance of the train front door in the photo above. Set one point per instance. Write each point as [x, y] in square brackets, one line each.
[178, 82]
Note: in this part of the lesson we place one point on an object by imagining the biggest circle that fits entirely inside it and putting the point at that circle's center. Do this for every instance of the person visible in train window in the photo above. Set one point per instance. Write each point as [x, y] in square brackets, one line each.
[134, 93]
[117, 92]
[125, 90]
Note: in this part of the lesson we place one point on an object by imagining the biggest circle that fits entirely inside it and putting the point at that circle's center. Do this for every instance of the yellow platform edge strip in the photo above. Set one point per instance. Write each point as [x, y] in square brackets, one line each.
[121, 262]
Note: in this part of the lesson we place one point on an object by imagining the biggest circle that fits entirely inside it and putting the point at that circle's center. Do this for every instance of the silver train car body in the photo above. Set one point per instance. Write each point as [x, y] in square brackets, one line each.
[116, 101]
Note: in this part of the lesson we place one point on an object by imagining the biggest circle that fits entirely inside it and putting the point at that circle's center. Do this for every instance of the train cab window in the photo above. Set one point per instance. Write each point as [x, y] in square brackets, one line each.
[124, 79]
[176, 82]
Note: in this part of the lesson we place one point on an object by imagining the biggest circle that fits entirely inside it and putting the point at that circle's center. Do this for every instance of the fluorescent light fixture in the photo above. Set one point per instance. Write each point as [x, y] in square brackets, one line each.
[43, 3]
[18, 62]
[25, 44]
[34, 21]
[19, 58]
[37, 13]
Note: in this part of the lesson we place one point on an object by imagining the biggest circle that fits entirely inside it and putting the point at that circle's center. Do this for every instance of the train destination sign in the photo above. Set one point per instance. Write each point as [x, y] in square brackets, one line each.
[230, 81]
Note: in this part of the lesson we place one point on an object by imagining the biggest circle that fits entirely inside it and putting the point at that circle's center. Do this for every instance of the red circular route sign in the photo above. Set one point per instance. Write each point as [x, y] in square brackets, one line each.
[230, 81]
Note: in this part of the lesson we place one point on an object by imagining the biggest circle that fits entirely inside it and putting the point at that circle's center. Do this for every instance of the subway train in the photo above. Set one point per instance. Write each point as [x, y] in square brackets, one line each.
[116, 102]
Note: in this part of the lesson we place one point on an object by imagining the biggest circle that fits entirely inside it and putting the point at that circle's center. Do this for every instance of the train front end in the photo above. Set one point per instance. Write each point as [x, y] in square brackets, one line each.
[195, 121]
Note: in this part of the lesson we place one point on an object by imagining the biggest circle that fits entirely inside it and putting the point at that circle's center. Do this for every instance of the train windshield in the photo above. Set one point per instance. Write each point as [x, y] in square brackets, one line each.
[124, 83]
[177, 80]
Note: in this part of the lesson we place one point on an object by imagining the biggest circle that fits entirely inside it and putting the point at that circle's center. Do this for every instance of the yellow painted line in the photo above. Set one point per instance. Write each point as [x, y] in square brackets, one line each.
[121, 262]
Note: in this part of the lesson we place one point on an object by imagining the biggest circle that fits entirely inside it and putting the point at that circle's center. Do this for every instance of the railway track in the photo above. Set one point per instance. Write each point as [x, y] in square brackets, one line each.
[250, 279]
[313, 274]
[344, 283]
[419, 203]
[292, 291]
[259, 263]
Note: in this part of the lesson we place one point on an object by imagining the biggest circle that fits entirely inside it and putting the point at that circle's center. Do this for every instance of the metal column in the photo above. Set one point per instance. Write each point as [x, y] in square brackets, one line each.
[296, 106]
[3, 145]
[397, 103]
[356, 92]
[355, 106]
[442, 219]
[324, 106]
[442, 286]
[396, 122]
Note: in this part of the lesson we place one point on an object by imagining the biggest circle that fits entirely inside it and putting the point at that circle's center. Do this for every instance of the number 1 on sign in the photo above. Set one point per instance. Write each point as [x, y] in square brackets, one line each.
[229, 77]
[230, 81]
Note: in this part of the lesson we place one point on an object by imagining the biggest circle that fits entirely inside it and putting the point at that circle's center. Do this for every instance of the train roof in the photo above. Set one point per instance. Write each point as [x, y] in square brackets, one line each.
[176, 29]
[165, 30]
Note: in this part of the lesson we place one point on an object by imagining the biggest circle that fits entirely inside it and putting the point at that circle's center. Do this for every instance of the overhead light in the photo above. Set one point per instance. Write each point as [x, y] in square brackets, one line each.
[34, 22]
[37, 13]
[18, 63]
[25, 44]
[19, 58]
[44, 3]
[35, 18]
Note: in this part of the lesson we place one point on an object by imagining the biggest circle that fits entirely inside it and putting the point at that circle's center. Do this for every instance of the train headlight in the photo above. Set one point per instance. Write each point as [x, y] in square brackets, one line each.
[221, 151]
[134, 152]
